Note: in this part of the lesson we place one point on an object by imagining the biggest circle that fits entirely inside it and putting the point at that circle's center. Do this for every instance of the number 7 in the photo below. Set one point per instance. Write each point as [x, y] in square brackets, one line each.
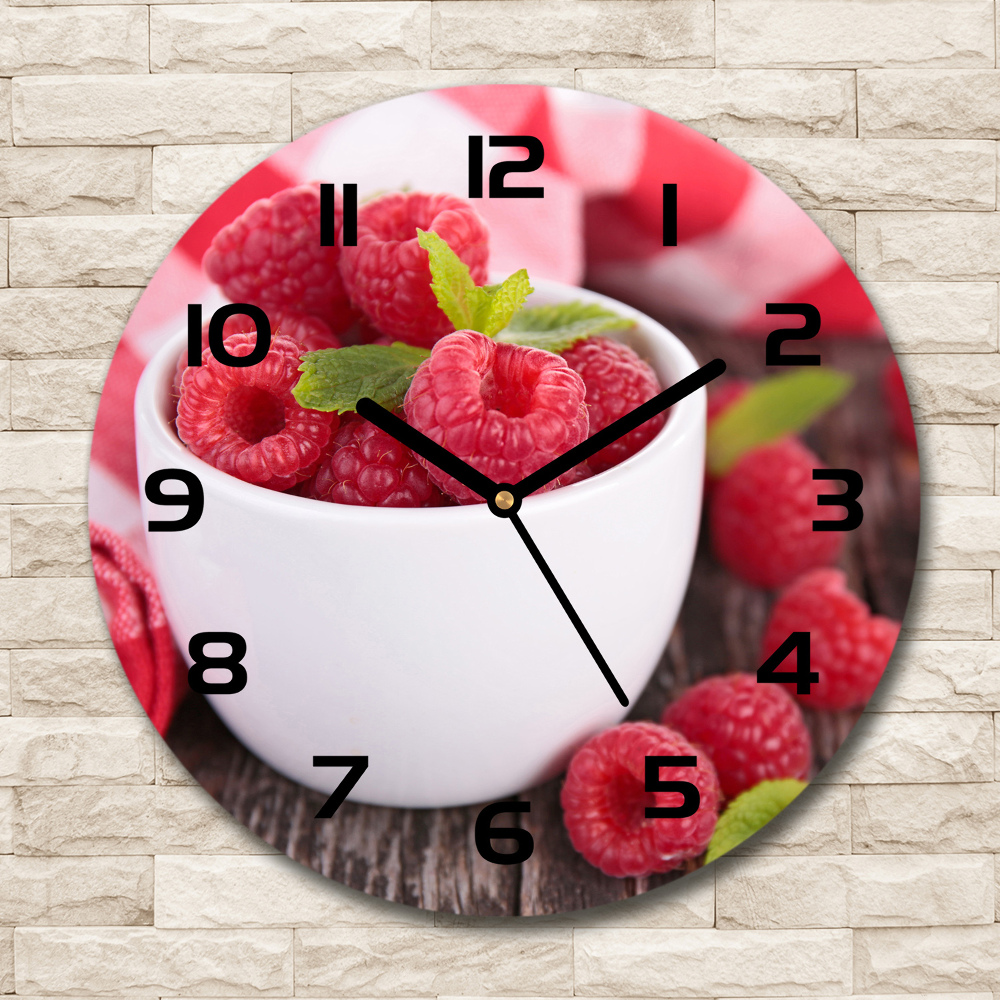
[357, 765]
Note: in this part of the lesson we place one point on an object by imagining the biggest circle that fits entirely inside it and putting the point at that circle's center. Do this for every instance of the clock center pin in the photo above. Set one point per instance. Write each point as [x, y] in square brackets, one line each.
[504, 500]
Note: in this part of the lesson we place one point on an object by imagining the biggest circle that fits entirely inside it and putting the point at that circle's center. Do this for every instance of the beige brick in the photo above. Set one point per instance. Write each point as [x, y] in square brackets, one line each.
[50, 540]
[43, 466]
[737, 102]
[139, 961]
[56, 395]
[262, 38]
[926, 819]
[6, 825]
[76, 751]
[5, 396]
[698, 963]
[63, 322]
[928, 246]
[393, 961]
[921, 959]
[842, 33]
[940, 677]
[960, 532]
[5, 686]
[318, 97]
[95, 39]
[66, 682]
[50, 612]
[151, 110]
[6, 960]
[949, 604]
[83, 891]
[952, 388]
[189, 178]
[169, 770]
[949, 104]
[817, 822]
[583, 33]
[266, 891]
[126, 819]
[4, 240]
[5, 542]
[907, 890]
[82, 180]
[887, 748]
[854, 174]
[927, 317]
[92, 250]
[839, 230]
[6, 137]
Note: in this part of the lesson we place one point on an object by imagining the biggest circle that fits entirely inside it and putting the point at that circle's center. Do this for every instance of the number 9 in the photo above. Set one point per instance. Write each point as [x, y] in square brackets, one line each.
[194, 499]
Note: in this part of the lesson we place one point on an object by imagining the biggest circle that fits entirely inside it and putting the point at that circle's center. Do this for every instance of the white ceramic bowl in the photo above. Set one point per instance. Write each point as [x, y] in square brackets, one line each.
[428, 640]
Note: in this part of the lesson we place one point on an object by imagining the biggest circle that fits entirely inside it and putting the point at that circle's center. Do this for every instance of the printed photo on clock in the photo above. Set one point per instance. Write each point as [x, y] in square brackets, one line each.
[494, 304]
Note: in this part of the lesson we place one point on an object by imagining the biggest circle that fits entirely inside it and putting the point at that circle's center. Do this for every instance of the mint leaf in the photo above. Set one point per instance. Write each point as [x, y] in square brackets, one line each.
[336, 378]
[771, 409]
[458, 296]
[557, 328]
[750, 811]
[484, 308]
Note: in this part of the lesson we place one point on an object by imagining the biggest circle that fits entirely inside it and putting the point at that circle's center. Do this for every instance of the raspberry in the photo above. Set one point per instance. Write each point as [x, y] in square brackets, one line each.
[849, 646]
[894, 390]
[617, 381]
[753, 732]
[504, 409]
[387, 274]
[311, 333]
[761, 515]
[368, 468]
[604, 800]
[246, 422]
[271, 257]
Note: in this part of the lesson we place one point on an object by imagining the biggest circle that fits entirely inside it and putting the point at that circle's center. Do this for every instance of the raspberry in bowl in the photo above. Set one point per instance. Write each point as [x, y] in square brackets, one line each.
[425, 638]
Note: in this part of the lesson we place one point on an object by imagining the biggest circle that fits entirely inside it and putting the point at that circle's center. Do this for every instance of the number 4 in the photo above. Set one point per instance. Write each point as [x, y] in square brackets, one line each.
[802, 677]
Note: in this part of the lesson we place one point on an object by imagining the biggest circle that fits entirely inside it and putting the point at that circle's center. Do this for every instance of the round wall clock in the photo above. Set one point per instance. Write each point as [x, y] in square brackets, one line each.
[504, 500]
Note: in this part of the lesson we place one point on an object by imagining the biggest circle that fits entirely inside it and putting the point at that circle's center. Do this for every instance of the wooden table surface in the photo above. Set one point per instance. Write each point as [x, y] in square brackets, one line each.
[428, 858]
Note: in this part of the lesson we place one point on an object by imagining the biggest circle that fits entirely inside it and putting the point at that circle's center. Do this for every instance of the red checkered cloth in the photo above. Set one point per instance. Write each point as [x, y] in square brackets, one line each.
[741, 243]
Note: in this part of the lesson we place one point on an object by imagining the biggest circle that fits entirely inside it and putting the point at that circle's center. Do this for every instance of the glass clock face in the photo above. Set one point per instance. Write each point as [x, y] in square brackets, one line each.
[504, 500]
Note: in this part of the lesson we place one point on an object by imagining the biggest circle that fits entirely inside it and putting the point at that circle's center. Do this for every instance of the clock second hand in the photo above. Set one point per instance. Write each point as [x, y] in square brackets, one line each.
[568, 608]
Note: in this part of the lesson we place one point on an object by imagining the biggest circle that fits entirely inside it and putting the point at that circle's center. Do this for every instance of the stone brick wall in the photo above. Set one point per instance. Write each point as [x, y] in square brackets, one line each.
[119, 122]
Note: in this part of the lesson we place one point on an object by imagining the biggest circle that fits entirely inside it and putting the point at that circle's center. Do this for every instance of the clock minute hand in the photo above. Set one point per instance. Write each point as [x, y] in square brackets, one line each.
[619, 428]
[568, 608]
[426, 448]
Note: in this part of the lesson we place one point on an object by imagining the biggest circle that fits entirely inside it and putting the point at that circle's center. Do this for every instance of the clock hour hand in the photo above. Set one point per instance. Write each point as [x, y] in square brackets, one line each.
[568, 608]
[428, 449]
[619, 428]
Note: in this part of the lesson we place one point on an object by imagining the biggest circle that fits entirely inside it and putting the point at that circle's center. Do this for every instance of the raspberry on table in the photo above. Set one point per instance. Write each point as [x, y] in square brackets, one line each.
[246, 422]
[506, 410]
[760, 515]
[617, 381]
[849, 646]
[366, 467]
[271, 257]
[388, 275]
[753, 732]
[604, 801]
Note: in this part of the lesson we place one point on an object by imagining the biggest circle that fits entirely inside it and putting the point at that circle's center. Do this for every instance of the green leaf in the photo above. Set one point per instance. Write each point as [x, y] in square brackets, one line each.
[750, 811]
[773, 408]
[557, 328]
[458, 296]
[336, 378]
[485, 308]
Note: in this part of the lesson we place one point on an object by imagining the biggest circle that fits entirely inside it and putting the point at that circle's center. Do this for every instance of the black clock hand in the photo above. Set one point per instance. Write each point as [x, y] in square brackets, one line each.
[426, 448]
[619, 428]
[568, 608]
